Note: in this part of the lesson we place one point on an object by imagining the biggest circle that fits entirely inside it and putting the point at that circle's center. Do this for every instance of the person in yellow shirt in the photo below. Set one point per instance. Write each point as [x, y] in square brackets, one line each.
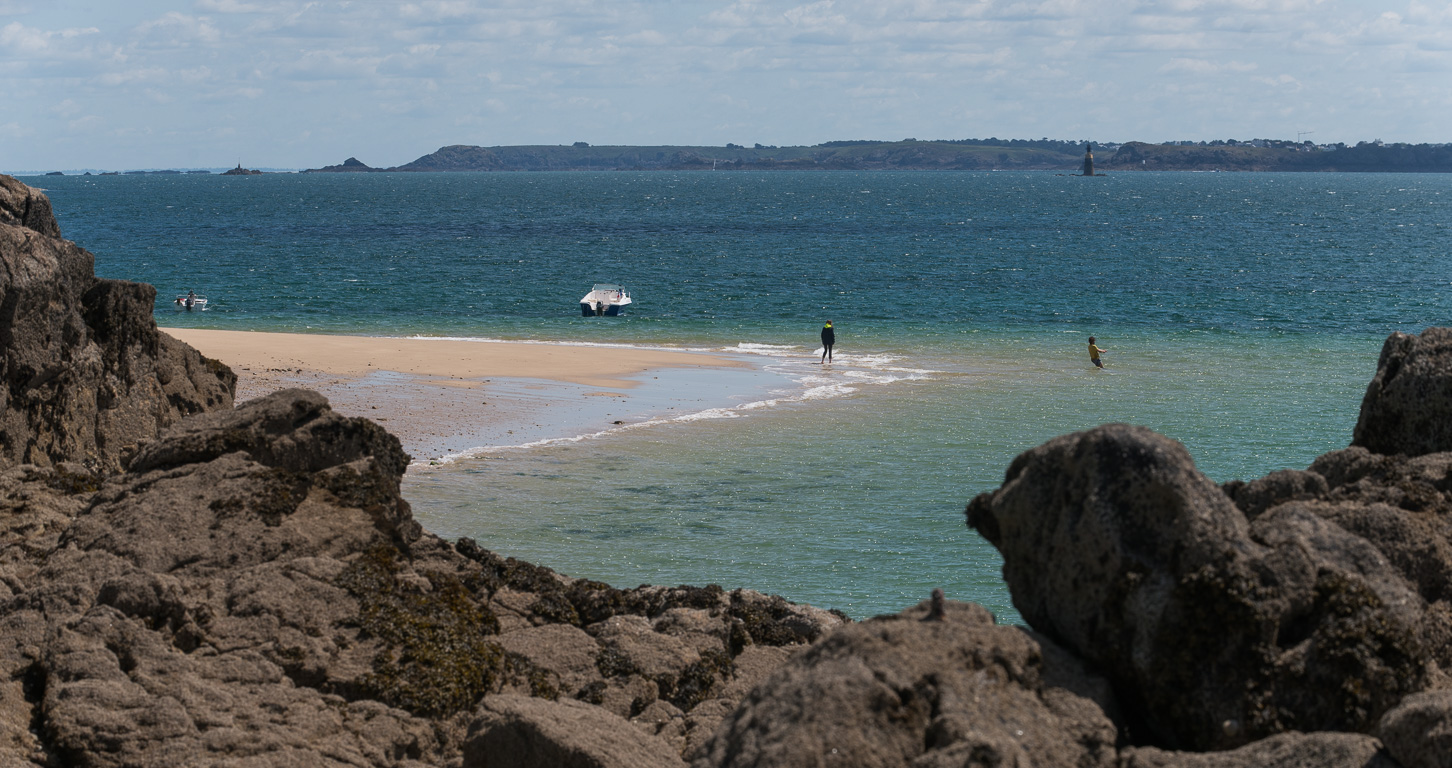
[1094, 353]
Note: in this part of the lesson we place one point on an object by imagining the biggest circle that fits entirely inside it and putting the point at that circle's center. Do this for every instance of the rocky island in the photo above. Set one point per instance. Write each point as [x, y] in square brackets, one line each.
[189, 581]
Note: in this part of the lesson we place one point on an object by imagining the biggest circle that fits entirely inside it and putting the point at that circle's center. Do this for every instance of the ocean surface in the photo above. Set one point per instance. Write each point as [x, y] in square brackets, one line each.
[1243, 314]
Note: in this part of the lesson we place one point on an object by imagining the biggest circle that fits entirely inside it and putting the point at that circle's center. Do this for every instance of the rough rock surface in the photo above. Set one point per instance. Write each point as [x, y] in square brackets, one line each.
[1419, 730]
[1406, 405]
[1216, 631]
[918, 690]
[85, 376]
[1286, 750]
[1308, 600]
[514, 730]
[254, 591]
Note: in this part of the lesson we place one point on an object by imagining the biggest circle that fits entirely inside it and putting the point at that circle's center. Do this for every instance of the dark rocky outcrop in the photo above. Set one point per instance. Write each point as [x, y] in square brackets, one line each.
[1314, 600]
[85, 376]
[254, 588]
[915, 689]
[1407, 404]
[1216, 631]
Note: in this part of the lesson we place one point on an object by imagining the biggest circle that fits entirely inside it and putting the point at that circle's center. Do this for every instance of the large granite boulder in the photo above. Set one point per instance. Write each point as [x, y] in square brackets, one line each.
[1408, 402]
[254, 591]
[1215, 630]
[85, 376]
[928, 687]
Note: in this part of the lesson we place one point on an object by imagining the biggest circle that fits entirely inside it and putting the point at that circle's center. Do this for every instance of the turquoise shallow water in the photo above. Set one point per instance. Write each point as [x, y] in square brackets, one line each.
[1243, 314]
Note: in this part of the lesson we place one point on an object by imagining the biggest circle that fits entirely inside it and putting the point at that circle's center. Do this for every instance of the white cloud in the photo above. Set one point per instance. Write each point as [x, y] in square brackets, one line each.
[233, 6]
[87, 123]
[329, 65]
[440, 11]
[1281, 82]
[177, 30]
[28, 41]
[1204, 67]
[786, 70]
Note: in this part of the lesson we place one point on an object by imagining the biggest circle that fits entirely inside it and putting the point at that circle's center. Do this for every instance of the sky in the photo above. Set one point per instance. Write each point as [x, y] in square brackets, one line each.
[278, 84]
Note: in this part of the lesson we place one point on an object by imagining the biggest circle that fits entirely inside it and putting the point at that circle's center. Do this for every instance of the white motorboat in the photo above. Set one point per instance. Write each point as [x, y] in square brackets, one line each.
[604, 300]
[191, 301]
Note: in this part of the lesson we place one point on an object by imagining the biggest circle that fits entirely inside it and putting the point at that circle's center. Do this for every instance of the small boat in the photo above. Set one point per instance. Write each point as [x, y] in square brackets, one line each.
[191, 301]
[604, 300]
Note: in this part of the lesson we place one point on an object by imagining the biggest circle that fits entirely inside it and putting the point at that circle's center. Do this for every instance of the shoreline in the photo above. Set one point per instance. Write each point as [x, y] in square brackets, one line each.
[446, 398]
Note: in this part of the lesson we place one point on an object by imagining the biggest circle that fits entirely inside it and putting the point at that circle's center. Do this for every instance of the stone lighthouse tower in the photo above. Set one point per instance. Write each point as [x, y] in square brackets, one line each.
[1088, 160]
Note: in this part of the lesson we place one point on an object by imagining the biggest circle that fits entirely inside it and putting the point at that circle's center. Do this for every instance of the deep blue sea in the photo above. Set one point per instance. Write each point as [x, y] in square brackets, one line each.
[1243, 314]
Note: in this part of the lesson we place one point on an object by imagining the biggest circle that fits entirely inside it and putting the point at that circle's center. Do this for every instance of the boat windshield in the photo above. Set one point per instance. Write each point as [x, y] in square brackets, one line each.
[607, 287]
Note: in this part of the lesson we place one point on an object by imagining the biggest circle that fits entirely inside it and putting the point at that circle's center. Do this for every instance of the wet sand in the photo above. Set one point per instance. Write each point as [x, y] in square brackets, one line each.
[441, 397]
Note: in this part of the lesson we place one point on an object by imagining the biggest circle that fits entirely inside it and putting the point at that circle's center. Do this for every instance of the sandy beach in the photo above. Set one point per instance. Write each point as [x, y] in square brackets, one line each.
[441, 397]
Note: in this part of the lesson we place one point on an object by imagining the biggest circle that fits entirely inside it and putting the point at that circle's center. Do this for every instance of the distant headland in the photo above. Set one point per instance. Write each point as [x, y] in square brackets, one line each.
[1074, 158]
[954, 155]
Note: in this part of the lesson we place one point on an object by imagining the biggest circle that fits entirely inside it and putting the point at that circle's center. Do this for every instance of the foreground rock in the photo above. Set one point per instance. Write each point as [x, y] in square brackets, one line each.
[84, 374]
[924, 689]
[1316, 600]
[522, 730]
[1407, 404]
[1217, 631]
[255, 589]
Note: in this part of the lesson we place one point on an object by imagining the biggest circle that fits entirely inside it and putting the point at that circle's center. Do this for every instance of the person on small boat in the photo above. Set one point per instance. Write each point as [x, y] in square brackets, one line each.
[829, 337]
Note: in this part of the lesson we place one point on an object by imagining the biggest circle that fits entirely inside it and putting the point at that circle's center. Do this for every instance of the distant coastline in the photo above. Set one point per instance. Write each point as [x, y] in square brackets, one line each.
[913, 155]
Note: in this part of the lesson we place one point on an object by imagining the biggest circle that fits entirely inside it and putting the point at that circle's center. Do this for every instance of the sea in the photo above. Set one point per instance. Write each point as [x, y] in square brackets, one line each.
[1243, 316]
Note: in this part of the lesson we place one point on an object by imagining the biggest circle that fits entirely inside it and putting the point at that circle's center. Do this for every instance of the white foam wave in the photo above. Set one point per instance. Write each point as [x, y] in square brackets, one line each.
[848, 374]
[774, 350]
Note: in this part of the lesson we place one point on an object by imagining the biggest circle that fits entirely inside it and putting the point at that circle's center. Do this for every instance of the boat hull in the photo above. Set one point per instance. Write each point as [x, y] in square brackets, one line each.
[609, 310]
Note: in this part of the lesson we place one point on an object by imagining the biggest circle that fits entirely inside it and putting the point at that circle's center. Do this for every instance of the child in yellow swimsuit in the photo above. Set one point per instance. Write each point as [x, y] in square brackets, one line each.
[1094, 353]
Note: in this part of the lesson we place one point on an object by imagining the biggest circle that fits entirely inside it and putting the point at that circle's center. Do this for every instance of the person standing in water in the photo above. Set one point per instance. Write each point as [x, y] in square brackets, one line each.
[1094, 353]
[829, 337]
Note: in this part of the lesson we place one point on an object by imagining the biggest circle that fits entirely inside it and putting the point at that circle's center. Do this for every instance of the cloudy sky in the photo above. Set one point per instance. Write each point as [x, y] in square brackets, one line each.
[127, 84]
